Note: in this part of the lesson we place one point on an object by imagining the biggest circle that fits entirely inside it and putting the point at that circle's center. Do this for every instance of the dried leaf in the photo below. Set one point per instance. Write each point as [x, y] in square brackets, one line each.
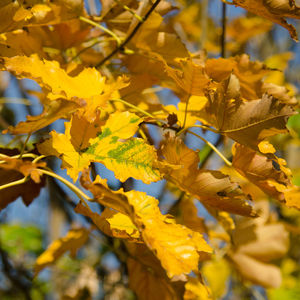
[273, 10]
[213, 188]
[246, 122]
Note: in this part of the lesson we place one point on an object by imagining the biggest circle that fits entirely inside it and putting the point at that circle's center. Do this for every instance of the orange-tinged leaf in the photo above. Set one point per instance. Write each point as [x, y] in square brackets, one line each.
[54, 111]
[27, 168]
[213, 188]
[74, 240]
[273, 10]
[147, 285]
[260, 170]
[191, 77]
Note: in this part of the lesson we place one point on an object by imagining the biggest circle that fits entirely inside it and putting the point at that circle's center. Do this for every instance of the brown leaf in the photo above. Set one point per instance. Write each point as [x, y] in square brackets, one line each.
[213, 188]
[273, 10]
[260, 170]
[28, 190]
[146, 276]
[246, 122]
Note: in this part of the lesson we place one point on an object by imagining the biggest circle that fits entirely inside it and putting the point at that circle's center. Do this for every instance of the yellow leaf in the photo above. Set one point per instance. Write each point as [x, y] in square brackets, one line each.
[195, 290]
[176, 246]
[88, 86]
[74, 240]
[111, 223]
[17, 14]
[218, 284]
[85, 142]
[266, 147]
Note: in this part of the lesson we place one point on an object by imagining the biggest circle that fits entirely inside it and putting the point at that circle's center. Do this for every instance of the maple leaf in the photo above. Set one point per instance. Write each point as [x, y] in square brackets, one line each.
[74, 240]
[273, 10]
[81, 144]
[88, 86]
[213, 188]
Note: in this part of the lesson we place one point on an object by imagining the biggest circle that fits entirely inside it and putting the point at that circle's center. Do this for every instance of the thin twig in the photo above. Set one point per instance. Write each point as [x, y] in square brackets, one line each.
[227, 162]
[131, 35]
[112, 34]
[223, 36]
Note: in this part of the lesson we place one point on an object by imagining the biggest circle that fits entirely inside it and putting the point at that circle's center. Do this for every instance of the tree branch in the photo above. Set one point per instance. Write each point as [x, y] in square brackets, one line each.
[131, 35]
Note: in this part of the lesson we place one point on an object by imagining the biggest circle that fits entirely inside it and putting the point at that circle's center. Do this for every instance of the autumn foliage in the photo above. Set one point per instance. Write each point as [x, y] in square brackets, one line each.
[149, 91]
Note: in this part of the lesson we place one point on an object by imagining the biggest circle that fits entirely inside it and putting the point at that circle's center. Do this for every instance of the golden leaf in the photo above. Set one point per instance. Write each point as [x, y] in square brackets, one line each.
[74, 240]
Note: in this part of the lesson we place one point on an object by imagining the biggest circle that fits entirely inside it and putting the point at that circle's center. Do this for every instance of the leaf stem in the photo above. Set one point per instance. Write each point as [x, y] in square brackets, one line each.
[227, 162]
[13, 183]
[136, 108]
[130, 36]
[24, 145]
[29, 155]
[198, 126]
[223, 36]
[82, 196]
[129, 10]
[118, 40]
